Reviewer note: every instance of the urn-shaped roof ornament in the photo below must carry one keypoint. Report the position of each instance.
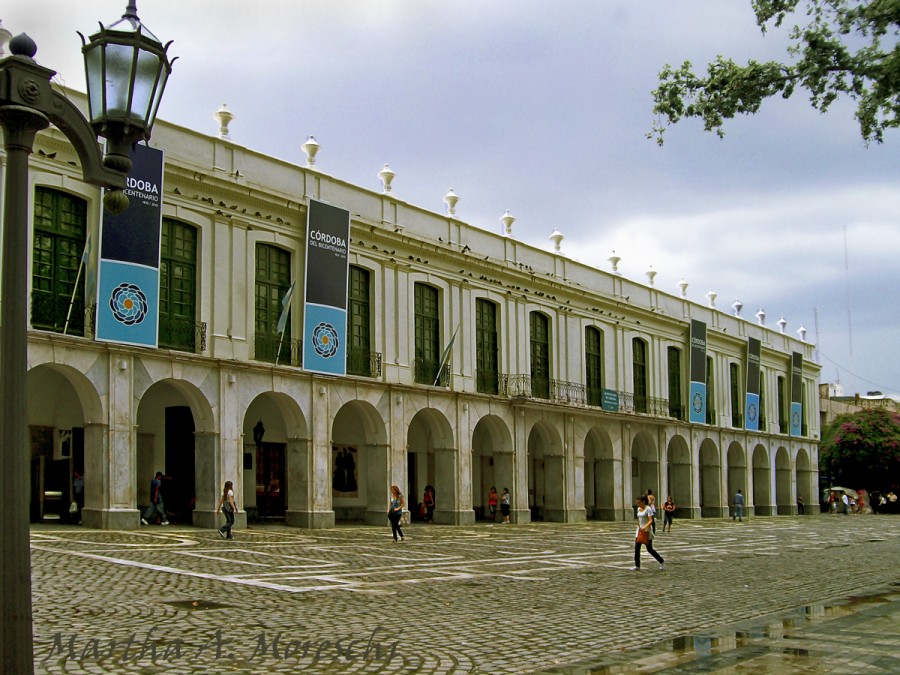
(556, 237)
(507, 219)
(223, 116)
(311, 148)
(614, 261)
(761, 317)
(711, 296)
(451, 199)
(386, 176)
(737, 306)
(683, 286)
(651, 274)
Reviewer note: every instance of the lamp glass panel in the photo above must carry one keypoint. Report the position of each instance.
(146, 74)
(157, 96)
(119, 63)
(93, 63)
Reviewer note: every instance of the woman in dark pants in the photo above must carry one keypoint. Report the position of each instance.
(395, 512)
(645, 520)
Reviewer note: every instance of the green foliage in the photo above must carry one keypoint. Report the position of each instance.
(862, 449)
(848, 47)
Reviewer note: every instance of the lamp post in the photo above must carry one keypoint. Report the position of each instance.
(126, 68)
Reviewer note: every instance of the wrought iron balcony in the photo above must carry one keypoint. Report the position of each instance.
(182, 334)
(487, 381)
(269, 347)
(49, 312)
(363, 362)
(430, 372)
(526, 386)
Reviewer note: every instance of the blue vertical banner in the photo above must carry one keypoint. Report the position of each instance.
(128, 274)
(796, 394)
(697, 401)
(327, 270)
(751, 406)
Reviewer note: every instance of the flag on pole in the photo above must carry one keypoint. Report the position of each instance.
(285, 308)
(90, 276)
(445, 357)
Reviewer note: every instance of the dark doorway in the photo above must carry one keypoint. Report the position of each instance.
(412, 488)
(270, 480)
(178, 483)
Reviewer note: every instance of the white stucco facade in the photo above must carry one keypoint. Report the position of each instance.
(561, 458)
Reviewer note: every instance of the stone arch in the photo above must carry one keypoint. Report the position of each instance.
(762, 482)
(599, 476)
(432, 459)
(175, 435)
(644, 465)
(359, 464)
(65, 434)
(680, 477)
(492, 461)
(783, 478)
(807, 487)
(546, 477)
(711, 502)
(736, 471)
(275, 449)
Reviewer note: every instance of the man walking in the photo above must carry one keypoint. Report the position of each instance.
(156, 508)
(738, 507)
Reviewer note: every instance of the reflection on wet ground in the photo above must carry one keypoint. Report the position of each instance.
(855, 635)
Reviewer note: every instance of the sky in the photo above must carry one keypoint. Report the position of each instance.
(543, 109)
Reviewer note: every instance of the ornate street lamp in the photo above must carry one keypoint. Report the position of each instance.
(127, 70)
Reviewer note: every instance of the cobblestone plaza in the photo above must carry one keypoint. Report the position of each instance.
(486, 599)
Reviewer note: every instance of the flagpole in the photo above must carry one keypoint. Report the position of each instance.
(74, 292)
(280, 341)
(445, 358)
(282, 320)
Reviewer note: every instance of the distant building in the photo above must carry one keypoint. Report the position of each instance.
(832, 402)
(473, 360)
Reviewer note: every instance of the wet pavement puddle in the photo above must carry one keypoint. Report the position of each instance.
(860, 634)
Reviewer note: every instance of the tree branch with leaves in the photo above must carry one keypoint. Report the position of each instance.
(847, 48)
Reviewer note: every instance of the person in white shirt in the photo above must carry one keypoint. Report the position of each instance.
(644, 531)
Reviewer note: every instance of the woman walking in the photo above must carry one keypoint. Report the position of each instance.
(504, 506)
(644, 535)
(395, 512)
(226, 504)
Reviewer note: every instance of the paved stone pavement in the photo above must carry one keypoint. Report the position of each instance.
(543, 597)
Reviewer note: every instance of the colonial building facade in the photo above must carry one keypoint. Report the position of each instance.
(564, 383)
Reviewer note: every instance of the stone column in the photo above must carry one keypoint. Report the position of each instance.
(451, 507)
(381, 473)
(109, 498)
(209, 479)
(308, 487)
(110, 456)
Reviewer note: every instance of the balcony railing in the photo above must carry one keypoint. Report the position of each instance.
(271, 348)
(487, 381)
(363, 362)
(431, 373)
(526, 386)
(182, 334)
(49, 312)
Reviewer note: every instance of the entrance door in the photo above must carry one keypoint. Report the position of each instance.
(178, 484)
(270, 480)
